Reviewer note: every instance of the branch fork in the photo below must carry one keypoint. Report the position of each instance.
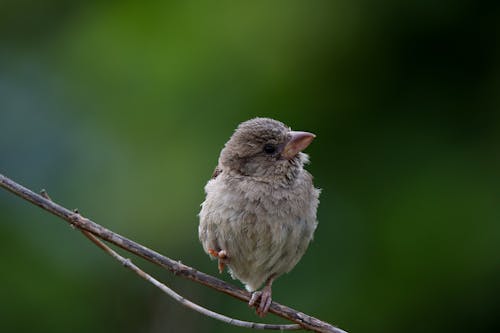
(97, 234)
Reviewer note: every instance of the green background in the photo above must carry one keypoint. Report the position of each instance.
(120, 108)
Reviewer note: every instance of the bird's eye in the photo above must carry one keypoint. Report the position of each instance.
(269, 148)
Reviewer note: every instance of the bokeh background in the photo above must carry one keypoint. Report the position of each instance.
(120, 108)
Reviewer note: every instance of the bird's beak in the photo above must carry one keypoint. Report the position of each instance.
(298, 142)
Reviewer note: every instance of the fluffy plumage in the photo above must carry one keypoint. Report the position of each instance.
(259, 214)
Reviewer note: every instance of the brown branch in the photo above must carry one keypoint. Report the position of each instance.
(173, 266)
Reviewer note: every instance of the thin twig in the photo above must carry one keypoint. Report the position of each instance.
(175, 267)
(187, 303)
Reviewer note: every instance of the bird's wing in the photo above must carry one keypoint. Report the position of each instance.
(217, 172)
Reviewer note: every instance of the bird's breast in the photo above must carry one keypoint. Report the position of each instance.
(264, 230)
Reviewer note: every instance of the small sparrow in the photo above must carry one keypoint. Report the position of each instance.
(259, 214)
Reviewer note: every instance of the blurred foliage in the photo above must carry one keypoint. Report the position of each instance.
(120, 108)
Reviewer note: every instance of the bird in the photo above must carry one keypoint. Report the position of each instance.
(259, 213)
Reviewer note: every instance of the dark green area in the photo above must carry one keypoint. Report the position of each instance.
(121, 108)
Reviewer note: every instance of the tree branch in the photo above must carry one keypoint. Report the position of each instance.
(176, 267)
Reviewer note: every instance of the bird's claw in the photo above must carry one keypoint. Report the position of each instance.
(221, 256)
(261, 300)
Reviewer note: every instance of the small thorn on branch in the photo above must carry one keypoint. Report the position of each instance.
(44, 194)
(127, 262)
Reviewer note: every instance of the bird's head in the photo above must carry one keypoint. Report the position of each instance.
(265, 148)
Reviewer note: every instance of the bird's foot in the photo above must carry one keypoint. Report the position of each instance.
(261, 300)
(221, 256)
